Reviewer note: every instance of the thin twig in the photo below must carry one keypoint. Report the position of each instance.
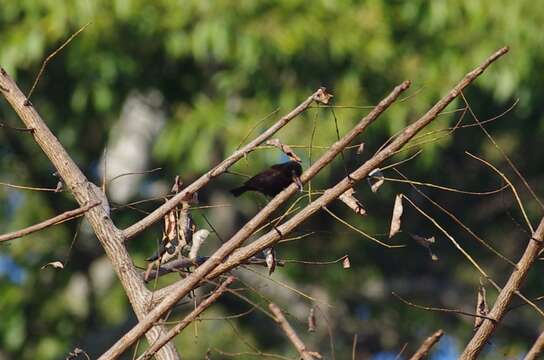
(354, 347)
(49, 222)
(456, 220)
(512, 187)
(506, 157)
(134, 173)
(430, 308)
(8, 127)
(52, 55)
(28, 187)
(424, 349)
(290, 333)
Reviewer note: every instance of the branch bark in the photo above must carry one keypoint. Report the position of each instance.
(487, 328)
(86, 192)
(424, 349)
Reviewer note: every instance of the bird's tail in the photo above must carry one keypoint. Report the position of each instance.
(239, 190)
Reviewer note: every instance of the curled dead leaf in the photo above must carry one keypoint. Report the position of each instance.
(54, 264)
(375, 179)
(482, 308)
(345, 263)
(426, 242)
(270, 258)
(285, 149)
(312, 323)
(361, 148)
(395, 219)
(323, 96)
(351, 201)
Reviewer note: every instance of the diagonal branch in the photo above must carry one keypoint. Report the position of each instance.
(182, 288)
(176, 330)
(291, 334)
(49, 222)
(202, 181)
(536, 349)
(424, 349)
(486, 329)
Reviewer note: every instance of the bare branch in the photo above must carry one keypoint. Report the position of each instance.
(49, 222)
(536, 349)
(176, 330)
(511, 288)
(424, 349)
(292, 335)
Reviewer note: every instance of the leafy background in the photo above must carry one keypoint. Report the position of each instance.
(220, 67)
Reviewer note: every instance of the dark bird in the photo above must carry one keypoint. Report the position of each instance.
(272, 180)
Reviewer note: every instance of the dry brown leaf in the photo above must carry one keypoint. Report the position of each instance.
(323, 96)
(395, 219)
(345, 263)
(375, 180)
(312, 324)
(361, 148)
(481, 306)
(54, 264)
(176, 188)
(285, 149)
(426, 243)
(350, 200)
(270, 258)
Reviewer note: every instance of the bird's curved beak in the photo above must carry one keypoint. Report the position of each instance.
(297, 181)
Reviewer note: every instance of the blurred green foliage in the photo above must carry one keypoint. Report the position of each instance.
(222, 66)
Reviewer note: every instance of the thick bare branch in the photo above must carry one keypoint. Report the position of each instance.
(176, 330)
(291, 334)
(486, 329)
(87, 193)
(49, 222)
(202, 181)
(179, 290)
(536, 349)
(424, 349)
